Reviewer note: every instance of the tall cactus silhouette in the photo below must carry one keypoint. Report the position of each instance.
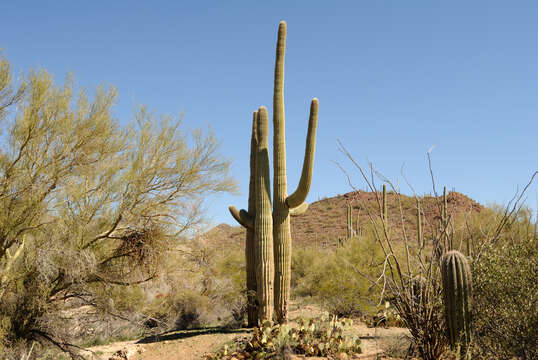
(284, 206)
(457, 289)
(246, 219)
(263, 231)
(282, 203)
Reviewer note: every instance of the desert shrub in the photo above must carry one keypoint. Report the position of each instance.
(303, 262)
(331, 277)
(231, 289)
(505, 286)
(306, 271)
(178, 310)
(204, 286)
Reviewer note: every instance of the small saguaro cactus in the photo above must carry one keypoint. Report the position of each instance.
(349, 222)
(420, 241)
(384, 202)
(457, 291)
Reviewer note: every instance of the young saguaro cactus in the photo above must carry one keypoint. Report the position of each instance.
(457, 289)
(384, 218)
(284, 205)
(349, 221)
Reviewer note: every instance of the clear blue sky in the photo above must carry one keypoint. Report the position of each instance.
(393, 78)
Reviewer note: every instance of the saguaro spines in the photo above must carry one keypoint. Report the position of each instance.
(457, 288)
(282, 203)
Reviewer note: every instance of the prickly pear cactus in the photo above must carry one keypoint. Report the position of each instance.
(457, 289)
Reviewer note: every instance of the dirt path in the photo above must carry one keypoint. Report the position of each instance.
(180, 345)
(194, 344)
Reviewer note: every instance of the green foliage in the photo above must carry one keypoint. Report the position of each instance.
(324, 336)
(203, 286)
(338, 279)
(505, 284)
(95, 203)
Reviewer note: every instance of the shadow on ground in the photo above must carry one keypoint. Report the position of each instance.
(184, 334)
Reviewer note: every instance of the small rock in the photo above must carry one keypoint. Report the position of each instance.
(119, 355)
(342, 356)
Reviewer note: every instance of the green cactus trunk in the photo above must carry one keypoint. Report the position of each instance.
(250, 253)
(282, 203)
(457, 289)
(281, 219)
(263, 230)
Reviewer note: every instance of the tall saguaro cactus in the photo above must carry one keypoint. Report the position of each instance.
(457, 288)
(257, 219)
(282, 203)
(250, 253)
(246, 219)
(263, 230)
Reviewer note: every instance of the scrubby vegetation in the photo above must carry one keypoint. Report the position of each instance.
(89, 209)
(329, 276)
(99, 242)
(506, 293)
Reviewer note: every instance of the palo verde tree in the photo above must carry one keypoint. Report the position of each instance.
(87, 204)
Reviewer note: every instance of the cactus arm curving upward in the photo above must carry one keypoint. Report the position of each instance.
(242, 217)
(299, 196)
(263, 231)
(299, 210)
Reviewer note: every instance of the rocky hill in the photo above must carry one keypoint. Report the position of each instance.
(325, 220)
